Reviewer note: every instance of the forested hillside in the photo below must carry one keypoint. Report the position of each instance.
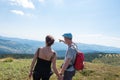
(112, 59)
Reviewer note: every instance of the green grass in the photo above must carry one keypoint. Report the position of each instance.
(18, 69)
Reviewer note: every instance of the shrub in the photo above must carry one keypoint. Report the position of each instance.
(87, 72)
(9, 59)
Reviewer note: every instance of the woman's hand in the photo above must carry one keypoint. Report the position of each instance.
(60, 77)
(30, 74)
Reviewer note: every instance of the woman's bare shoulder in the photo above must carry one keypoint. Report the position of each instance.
(54, 52)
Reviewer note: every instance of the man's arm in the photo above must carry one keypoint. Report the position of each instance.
(60, 40)
(65, 65)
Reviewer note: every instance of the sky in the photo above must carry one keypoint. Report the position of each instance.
(89, 21)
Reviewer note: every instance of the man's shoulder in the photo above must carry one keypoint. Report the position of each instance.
(73, 47)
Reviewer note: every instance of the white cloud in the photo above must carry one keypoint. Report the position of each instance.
(18, 12)
(23, 3)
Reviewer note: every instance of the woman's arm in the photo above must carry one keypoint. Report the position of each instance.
(54, 65)
(33, 62)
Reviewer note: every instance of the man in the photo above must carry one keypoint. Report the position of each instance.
(67, 69)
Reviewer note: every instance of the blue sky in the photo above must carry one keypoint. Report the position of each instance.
(90, 21)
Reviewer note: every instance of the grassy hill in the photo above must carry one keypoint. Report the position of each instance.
(17, 69)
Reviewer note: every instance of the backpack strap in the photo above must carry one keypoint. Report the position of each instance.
(76, 48)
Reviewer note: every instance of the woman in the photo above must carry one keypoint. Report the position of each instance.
(43, 58)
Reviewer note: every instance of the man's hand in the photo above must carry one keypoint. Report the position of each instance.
(60, 40)
(60, 77)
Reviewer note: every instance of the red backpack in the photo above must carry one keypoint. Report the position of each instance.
(79, 61)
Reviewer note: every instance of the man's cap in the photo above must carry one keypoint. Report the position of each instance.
(67, 35)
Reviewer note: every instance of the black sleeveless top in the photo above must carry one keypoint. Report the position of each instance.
(42, 65)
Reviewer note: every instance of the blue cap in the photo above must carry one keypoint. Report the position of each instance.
(67, 35)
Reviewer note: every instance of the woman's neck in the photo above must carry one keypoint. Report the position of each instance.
(48, 47)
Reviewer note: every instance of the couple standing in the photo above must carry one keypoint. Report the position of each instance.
(45, 57)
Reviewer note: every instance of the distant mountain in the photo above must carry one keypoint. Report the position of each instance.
(8, 46)
(16, 45)
(97, 48)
